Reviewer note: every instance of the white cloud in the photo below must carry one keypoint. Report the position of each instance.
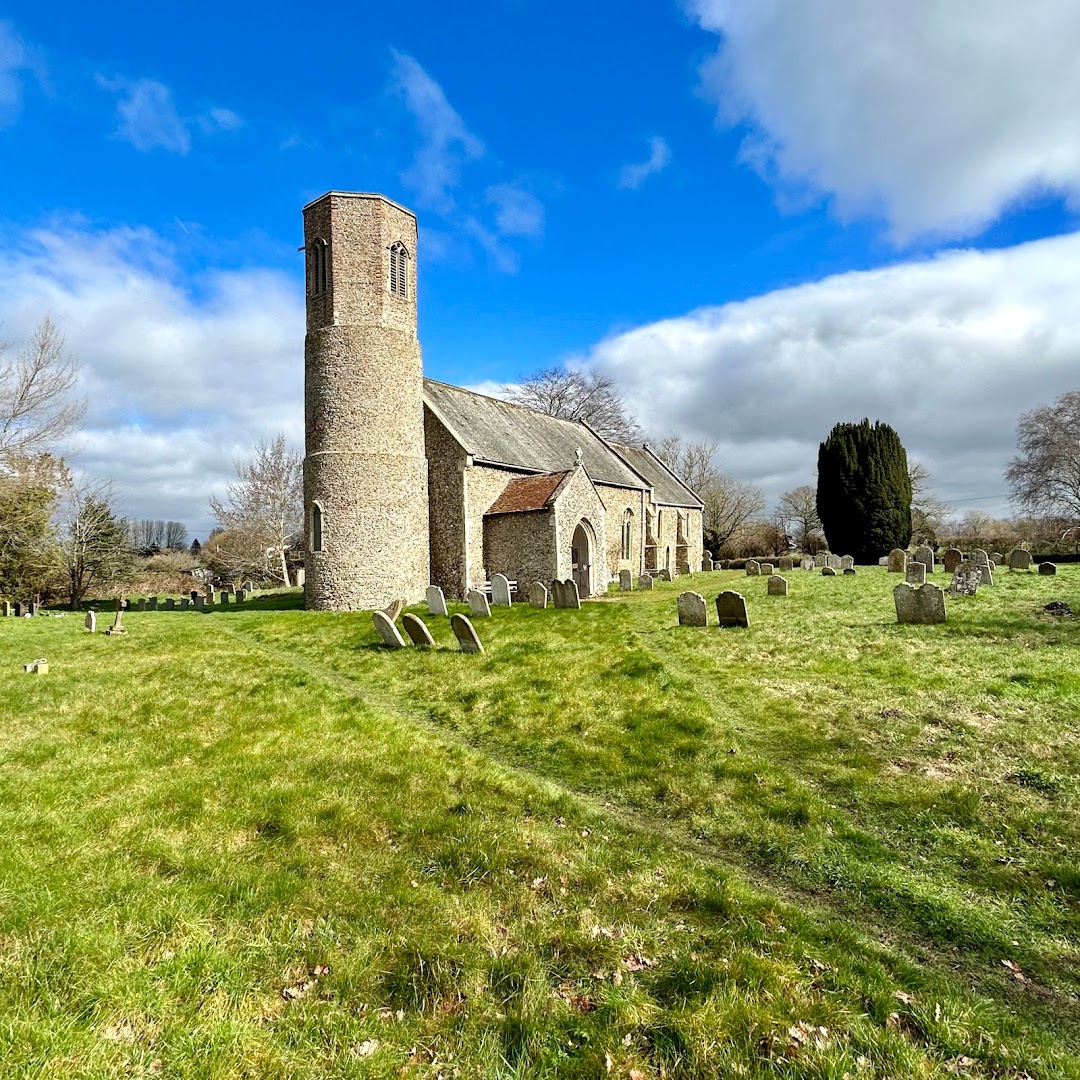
(13, 61)
(178, 385)
(225, 119)
(517, 212)
(633, 176)
(949, 351)
(935, 115)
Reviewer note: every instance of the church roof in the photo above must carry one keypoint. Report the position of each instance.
(525, 493)
(497, 432)
(667, 487)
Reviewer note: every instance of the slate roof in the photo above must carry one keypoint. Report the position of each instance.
(667, 488)
(525, 493)
(499, 433)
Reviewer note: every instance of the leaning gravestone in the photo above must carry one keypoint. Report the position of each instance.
(118, 623)
(952, 558)
(847, 562)
(500, 590)
(90, 622)
(626, 581)
(924, 605)
(915, 573)
(479, 607)
(538, 594)
(645, 581)
(391, 636)
(418, 633)
(785, 563)
(1019, 559)
(436, 601)
(777, 585)
(692, 609)
(828, 571)
(467, 638)
(765, 569)
(731, 609)
(967, 578)
(1047, 569)
(753, 568)
(706, 563)
(565, 593)
(807, 563)
(924, 553)
(897, 561)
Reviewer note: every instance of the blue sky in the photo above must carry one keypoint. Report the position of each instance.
(758, 218)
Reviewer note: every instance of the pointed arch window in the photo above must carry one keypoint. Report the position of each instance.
(627, 533)
(317, 263)
(316, 527)
(399, 269)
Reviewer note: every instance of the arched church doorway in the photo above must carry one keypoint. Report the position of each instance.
(581, 559)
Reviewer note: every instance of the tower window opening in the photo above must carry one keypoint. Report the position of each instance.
(399, 269)
(317, 267)
(627, 533)
(316, 527)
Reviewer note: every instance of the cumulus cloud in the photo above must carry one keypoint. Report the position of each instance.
(633, 176)
(949, 351)
(936, 116)
(179, 383)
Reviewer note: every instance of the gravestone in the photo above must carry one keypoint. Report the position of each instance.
(18, 609)
(90, 622)
(996, 558)
(684, 569)
(645, 581)
(140, 605)
(35, 607)
(208, 600)
(924, 553)
(834, 561)
(987, 573)
(538, 594)
(979, 556)
(565, 593)
(665, 574)
(707, 563)
(1019, 559)
(384, 626)
(883, 561)
(951, 559)
(807, 563)
(436, 601)
(847, 562)
(185, 603)
(1047, 569)
(924, 605)
(731, 609)
(753, 568)
(692, 609)
(897, 561)
(241, 595)
(225, 597)
(916, 573)
(6, 609)
(500, 590)
(199, 602)
(392, 611)
(626, 581)
(777, 585)
(170, 603)
(849, 570)
(786, 563)
(821, 559)
(211, 591)
(300, 575)
(765, 569)
(467, 638)
(418, 633)
(966, 579)
(194, 593)
(118, 623)
(479, 607)
(152, 604)
(828, 571)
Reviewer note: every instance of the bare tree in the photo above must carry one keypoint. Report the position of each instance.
(37, 409)
(798, 507)
(729, 503)
(578, 395)
(94, 546)
(1044, 477)
(266, 503)
(236, 554)
(928, 513)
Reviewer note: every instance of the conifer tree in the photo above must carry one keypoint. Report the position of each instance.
(864, 491)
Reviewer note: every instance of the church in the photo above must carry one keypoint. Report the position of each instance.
(410, 482)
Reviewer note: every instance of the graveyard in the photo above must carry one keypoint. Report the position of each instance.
(253, 840)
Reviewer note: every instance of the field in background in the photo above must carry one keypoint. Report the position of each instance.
(254, 843)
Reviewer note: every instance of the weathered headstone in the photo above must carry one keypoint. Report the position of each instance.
(241, 595)
(300, 576)
(35, 607)
(847, 562)
(883, 561)
(828, 571)
(393, 611)
(753, 568)
(996, 558)
(500, 590)
(951, 559)
(807, 563)
(152, 604)
(765, 569)
(924, 553)
(979, 556)
(170, 603)
(225, 597)
(731, 609)
(834, 561)
(645, 581)
(626, 581)
(966, 579)
(707, 563)
(538, 594)
(1019, 559)
(987, 573)
(684, 569)
(199, 601)
(418, 633)
(479, 607)
(924, 605)
(140, 604)
(185, 603)
(384, 626)
(915, 573)
(1047, 569)
(692, 609)
(786, 563)
(118, 622)
(821, 559)
(19, 609)
(211, 591)
(90, 622)
(897, 561)
(436, 601)
(467, 638)
(565, 593)
(665, 574)
(5, 609)
(777, 585)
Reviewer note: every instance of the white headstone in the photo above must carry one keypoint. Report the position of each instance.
(500, 590)
(479, 607)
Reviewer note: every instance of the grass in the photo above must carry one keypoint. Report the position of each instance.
(254, 843)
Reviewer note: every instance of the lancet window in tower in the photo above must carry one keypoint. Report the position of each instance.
(399, 269)
(627, 533)
(317, 267)
(316, 527)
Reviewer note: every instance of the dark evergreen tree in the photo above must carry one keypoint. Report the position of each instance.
(864, 491)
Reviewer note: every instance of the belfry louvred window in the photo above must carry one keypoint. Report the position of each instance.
(399, 270)
(317, 267)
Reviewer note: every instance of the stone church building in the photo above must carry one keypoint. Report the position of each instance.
(410, 482)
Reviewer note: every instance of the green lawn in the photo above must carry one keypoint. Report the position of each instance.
(254, 843)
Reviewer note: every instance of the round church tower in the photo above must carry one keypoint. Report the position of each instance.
(365, 473)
